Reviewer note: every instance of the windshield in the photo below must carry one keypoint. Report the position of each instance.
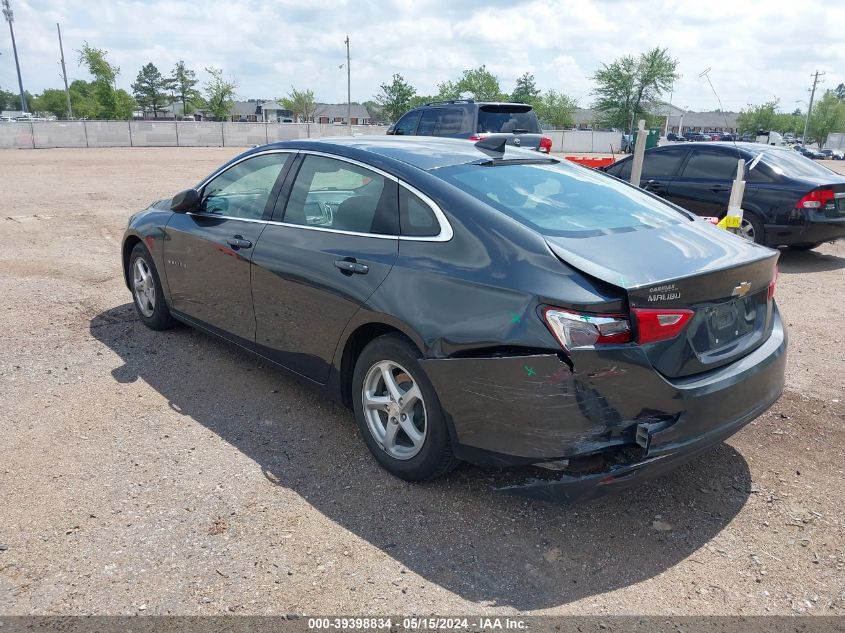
(789, 163)
(507, 118)
(561, 200)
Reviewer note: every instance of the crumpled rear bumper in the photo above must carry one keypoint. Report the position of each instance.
(530, 409)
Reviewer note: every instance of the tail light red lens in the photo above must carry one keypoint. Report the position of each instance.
(654, 324)
(545, 144)
(573, 329)
(816, 199)
(771, 294)
(475, 137)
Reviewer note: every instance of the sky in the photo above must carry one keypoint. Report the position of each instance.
(757, 50)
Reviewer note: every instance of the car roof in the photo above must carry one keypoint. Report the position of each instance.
(423, 152)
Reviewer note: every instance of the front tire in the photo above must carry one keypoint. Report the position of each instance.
(398, 411)
(147, 293)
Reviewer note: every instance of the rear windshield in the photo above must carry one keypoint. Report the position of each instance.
(789, 163)
(560, 199)
(507, 118)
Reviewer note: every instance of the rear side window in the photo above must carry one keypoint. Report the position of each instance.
(507, 118)
(710, 166)
(407, 125)
(442, 122)
(416, 219)
(562, 200)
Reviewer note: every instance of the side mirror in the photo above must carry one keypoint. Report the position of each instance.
(185, 201)
(390, 130)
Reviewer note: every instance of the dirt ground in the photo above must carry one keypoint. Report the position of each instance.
(146, 472)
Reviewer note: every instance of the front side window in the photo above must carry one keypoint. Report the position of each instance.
(242, 190)
(561, 200)
(334, 194)
(662, 163)
(407, 125)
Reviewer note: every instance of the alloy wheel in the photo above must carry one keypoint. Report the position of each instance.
(394, 410)
(746, 230)
(144, 287)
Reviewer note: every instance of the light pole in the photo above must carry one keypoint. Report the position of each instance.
(10, 17)
(348, 89)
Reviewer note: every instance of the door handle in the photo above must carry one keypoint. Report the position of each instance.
(238, 241)
(719, 188)
(653, 185)
(350, 267)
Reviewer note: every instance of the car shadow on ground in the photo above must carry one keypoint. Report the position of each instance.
(457, 532)
(793, 261)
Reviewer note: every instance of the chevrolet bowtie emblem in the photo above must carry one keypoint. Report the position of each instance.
(741, 290)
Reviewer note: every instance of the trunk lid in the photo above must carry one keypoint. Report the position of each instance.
(723, 279)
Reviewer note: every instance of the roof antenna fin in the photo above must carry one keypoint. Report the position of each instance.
(492, 144)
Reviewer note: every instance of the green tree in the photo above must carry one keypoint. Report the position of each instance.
(481, 84)
(395, 97)
(303, 104)
(9, 100)
(52, 101)
(629, 88)
(761, 117)
(219, 93)
(110, 102)
(828, 116)
(447, 91)
(182, 84)
(377, 113)
(526, 90)
(149, 89)
(556, 109)
(839, 91)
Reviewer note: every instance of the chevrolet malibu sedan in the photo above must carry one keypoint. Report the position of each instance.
(474, 301)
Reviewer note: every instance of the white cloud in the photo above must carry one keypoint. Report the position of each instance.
(756, 50)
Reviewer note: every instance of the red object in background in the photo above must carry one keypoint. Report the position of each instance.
(589, 161)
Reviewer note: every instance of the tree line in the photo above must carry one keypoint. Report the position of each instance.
(626, 90)
(151, 91)
(828, 116)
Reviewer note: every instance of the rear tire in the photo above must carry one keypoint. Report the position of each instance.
(147, 293)
(402, 422)
(752, 228)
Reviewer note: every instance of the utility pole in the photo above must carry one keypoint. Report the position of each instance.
(810, 106)
(64, 72)
(348, 89)
(10, 17)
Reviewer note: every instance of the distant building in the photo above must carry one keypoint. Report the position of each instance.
(337, 112)
(679, 120)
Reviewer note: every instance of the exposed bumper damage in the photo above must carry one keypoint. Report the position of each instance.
(606, 422)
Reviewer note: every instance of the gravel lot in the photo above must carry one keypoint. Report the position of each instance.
(147, 472)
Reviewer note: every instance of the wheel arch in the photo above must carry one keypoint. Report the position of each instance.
(128, 244)
(356, 338)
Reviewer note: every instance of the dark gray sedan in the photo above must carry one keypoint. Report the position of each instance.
(472, 301)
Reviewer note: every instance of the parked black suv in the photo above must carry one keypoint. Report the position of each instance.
(474, 120)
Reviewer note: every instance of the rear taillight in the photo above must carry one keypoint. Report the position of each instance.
(573, 329)
(545, 144)
(475, 137)
(654, 324)
(816, 199)
(774, 281)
